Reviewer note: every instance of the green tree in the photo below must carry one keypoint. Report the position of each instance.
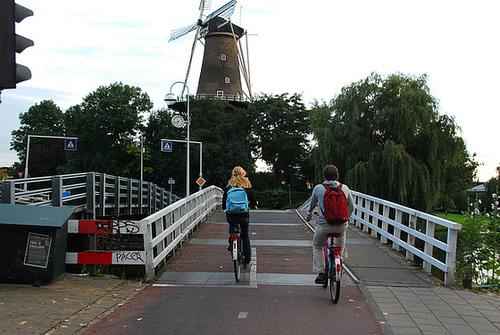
(281, 127)
(165, 165)
(221, 126)
(46, 155)
(388, 140)
(104, 123)
(225, 130)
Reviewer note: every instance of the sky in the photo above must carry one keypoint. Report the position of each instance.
(313, 48)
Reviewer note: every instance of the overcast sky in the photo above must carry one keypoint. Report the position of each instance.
(310, 47)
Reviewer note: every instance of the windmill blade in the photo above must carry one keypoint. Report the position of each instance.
(176, 33)
(205, 4)
(224, 12)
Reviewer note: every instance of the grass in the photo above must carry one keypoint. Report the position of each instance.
(458, 218)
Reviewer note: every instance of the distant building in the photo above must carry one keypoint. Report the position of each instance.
(479, 189)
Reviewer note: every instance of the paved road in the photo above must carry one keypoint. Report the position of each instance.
(198, 294)
(279, 296)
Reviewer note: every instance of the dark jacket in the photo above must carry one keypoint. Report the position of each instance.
(251, 200)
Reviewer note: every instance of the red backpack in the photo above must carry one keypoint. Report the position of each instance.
(335, 204)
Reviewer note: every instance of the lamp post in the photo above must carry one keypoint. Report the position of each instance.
(171, 98)
(141, 143)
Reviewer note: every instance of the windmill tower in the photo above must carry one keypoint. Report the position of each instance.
(223, 59)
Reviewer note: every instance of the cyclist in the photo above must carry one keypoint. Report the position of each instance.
(239, 179)
(330, 177)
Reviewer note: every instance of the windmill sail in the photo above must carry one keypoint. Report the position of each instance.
(224, 12)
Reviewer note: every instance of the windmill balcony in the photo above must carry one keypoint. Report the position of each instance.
(228, 97)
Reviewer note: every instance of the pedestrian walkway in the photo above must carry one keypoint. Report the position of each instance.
(68, 305)
(402, 298)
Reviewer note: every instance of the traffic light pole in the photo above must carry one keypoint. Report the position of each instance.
(12, 73)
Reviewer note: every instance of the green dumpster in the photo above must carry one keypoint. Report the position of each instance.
(33, 243)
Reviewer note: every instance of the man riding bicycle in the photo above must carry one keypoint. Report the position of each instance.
(330, 177)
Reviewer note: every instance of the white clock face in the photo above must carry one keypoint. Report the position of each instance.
(178, 121)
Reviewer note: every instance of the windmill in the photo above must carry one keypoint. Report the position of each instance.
(223, 59)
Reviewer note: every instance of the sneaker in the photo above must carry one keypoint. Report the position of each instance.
(247, 265)
(320, 279)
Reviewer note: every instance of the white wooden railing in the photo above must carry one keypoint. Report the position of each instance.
(168, 228)
(402, 227)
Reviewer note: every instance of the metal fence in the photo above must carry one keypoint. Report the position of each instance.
(91, 194)
(430, 238)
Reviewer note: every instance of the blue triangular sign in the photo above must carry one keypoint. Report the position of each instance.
(166, 146)
(70, 145)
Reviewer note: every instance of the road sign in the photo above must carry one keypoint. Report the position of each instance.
(201, 181)
(70, 144)
(166, 146)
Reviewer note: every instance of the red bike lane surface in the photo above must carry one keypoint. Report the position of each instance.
(276, 296)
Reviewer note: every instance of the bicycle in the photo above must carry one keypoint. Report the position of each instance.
(236, 248)
(333, 266)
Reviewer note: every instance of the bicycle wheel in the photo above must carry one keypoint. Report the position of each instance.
(334, 283)
(237, 259)
(237, 269)
(327, 265)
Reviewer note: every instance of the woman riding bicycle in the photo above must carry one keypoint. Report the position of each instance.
(330, 177)
(239, 179)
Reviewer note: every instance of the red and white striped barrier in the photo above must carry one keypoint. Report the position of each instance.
(105, 227)
(124, 257)
(107, 257)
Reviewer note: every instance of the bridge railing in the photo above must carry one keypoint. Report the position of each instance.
(162, 233)
(168, 228)
(92, 194)
(430, 238)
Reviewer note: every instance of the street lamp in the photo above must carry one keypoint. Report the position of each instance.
(141, 141)
(171, 98)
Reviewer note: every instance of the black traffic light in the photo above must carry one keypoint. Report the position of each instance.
(12, 73)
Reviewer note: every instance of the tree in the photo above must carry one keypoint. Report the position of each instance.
(105, 122)
(46, 155)
(281, 128)
(165, 165)
(388, 139)
(222, 127)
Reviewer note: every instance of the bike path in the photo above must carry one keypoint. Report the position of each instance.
(71, 303)
(197, 292)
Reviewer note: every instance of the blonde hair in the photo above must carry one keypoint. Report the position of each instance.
(239, 179)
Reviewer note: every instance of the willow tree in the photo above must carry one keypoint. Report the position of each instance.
(389, 140)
